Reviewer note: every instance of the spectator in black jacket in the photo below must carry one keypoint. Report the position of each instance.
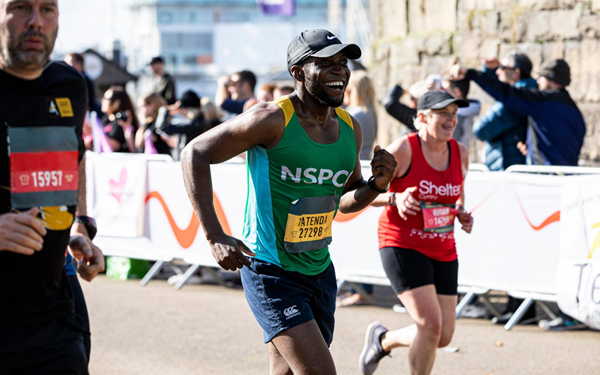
(403, 113)
(557, 130)
(164, 84)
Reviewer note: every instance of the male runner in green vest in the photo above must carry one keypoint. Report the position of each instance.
(303, 166)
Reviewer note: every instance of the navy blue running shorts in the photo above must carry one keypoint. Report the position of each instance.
(281, 299)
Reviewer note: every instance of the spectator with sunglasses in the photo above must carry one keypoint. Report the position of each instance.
(233, 92)
(500, 128)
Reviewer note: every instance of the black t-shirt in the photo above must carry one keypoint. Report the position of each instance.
(116, 132)
(159, 143)
(35, 289)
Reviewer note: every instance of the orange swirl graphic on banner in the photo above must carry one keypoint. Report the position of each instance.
(342, 217)
(555, 217)
(185, 237)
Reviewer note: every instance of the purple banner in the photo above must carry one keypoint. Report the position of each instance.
(277, 7)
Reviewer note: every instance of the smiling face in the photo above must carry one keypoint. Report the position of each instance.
(326, 78)
(440, 123)
(28, 30)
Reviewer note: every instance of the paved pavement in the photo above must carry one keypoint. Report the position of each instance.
(209, 330)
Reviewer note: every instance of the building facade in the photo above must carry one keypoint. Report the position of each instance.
(203, 39)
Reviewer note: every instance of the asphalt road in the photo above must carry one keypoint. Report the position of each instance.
(210, 330)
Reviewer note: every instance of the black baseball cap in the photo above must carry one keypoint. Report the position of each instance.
(157, 60)
(438, 99)
(189, 99)
(318, 43)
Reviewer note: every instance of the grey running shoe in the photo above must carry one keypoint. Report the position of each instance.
(372, 351)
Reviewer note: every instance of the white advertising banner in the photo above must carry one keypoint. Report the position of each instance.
(172, 224)
(578, 277)
(117, 198)
(143, 211)
(530, 235)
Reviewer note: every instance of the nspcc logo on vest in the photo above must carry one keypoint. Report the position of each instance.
(315, 176)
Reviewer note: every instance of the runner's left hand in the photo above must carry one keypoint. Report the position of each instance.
(383, 167)
(88, 255)
(466, 219)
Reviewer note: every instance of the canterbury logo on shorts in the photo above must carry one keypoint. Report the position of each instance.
(309, 223)
(291, 312)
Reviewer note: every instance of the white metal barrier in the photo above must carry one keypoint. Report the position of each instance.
(513, 246)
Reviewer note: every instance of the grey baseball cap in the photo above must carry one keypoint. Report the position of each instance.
(437, 99)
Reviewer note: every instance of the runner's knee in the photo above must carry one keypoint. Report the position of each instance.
(446, 337)
(431, 328)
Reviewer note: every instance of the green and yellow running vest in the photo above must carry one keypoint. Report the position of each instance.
(293, 194)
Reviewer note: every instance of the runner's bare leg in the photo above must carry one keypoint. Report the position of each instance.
(277, 365)
(305, 350)
(424, 336)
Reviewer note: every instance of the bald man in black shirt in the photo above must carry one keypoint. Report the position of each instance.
(42, 171)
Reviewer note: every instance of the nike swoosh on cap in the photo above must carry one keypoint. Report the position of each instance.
(331, 37)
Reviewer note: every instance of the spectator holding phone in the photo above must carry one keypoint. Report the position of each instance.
(121, 122)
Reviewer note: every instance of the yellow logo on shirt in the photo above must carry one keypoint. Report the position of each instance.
(56, 218)
(64, 107)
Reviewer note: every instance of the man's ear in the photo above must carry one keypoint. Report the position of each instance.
(297, 73)
(518, 71)
(458, 93)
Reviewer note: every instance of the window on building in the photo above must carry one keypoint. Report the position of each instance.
(190, 60)
(165, 17)
(201, 43)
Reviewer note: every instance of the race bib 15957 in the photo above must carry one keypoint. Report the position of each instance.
(44, 166)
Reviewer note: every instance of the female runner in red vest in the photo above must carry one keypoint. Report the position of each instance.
(416, 234)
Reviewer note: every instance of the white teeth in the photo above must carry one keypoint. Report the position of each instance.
(337, 83)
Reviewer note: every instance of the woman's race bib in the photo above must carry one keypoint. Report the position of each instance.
(44, 166)
(438, 217)
(309, 223)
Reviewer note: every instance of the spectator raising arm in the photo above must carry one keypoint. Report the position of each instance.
(399, 111)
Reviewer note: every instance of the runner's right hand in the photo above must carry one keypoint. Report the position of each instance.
(21, 233)
(228, 250)
(407, 204)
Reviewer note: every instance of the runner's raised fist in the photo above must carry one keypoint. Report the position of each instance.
(383, 166)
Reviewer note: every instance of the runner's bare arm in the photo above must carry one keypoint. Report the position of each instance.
(357, 194)
(402, 153)
(464, 217)
(261, 125)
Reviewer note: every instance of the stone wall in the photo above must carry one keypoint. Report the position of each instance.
(414, 38)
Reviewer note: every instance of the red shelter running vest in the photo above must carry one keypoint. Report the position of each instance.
(436, 189)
